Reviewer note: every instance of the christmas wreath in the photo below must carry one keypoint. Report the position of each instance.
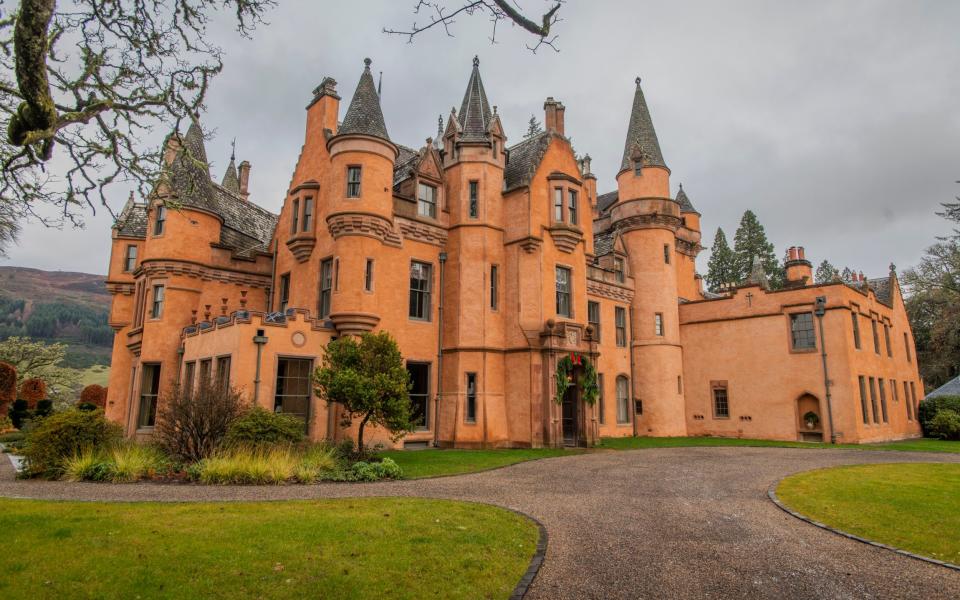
(588, 382)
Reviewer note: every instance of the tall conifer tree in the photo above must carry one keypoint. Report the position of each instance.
(826, 272)
(751, 240)
(721, 269)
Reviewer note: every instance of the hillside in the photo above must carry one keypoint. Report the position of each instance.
(58, 306)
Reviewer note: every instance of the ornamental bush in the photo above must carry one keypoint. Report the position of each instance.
(260, 427)
(19, 413)
(929, 408)
(62, 436)
(33, 390)
(192, 423)
(94, 394)
(945, 425)
(8, 386)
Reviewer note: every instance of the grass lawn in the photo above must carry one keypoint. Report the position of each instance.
(913, 507)
(432, 463)
(98, 374)
(634, 443)
(353, 548)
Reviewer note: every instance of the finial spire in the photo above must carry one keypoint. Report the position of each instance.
(380, 85)
(475, 113)
(637, 80)
(366, 63)
(476, 60)
(364, 115)
(641, 136)
(233, 149)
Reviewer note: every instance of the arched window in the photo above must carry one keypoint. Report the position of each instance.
(623, 400)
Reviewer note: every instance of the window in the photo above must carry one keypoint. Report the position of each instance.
(618, 269)
(620, 323)
(906, 394)
(284, 292)
(419, 394)
(470, 413)
(666, 254)
(883, 399)
(189, 371)
(856, 328)
(368, 276)
(206, 366)
(601, 405)
(623, 400)
(307, 213)
(863, 400)
(223, 371)
(572, 206)
(420, 285)
(474, 207)
(156, 309)
(721, 401)
(876, 336)
(637, 168)
(292, 392)
(801, 331)
(160, 221)
(913, 397)
(149, 392)
(295, 218)
(873, 400)
(130, 262)
(494, 286)
(426, 201)
(906, 345)
(558, 204)
(353, 182)
(896, 398)
(326, 288)
(593, 318)
(886, 339)
(563, 292)
(658, 324)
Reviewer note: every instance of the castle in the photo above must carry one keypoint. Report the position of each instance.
(531, 310)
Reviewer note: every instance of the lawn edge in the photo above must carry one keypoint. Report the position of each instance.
(539, 555)
(772, 495)
(497, 468)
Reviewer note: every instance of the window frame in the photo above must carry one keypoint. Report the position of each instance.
(354, 186)
(593, 318)
(151, 398)
(620, 325)
(283, 293)
(876, 335)
(601, 404)
(883, 400)
(160, 221)
(494, 287)
(872, 384)
(223, 378)
(855, 316)
(810, 333)
(564, 298)
(886, 336)
(470, 398)
(619, 269)
(559, 206)
(637, 168)
(295, 218)
(720, 386)
(128, 256)
(658, 324)
(189, 375)
(368, 276)
(425, 395)
(623, 401)
(906, 346)
(280, 392)
(473, 199)
(666, 254)
(424, 295)
(573, 199)
(157, 300)
(325, 297)
(430, 203)
(307, 220)
(864, 408)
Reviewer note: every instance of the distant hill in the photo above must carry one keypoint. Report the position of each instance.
(58, 306)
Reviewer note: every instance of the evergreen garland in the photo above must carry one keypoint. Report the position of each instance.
(564, 378)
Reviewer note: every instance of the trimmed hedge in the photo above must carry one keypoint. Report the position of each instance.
(945, 425)
(929, 408)
(260, 427)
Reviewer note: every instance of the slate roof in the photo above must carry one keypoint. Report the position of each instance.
(405, 164)
(190, 173)
(950, 388)
(603, 242)
(231, 181)
(605, 201)
(247, 228)
(685, 205)
(475, 114)
(364, 115)
(132, 221)
(640, 134)
(524, 158)
(882, 288)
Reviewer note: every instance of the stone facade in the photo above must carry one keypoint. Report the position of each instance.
(489, 264)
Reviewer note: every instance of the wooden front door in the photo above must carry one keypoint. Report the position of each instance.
(569, 417)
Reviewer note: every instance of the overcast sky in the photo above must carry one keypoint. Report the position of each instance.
(838, 123)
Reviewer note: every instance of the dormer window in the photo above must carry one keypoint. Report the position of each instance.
(353, 182)
(637, 168)
(618, 269)
(427, 201)
(160, 221)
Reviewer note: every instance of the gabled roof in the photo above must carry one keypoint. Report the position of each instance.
(882, 287)
(685, 205)
(641, 137)
(247, 228)
(405, 164)
(132, 221)
(603, 242)
(605, 201)
(524, 158)
(475, 114)
(364, 116)
(950, 388)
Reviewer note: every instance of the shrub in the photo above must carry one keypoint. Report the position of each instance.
(44, 409)
(929, 408)
(86, 406)
(385, 469)
(64, 435)
(33, 390)
(94, 394)
(19, 412)
(945, 425)
(88, 465)
(248, 465)
(260, 427)
(12, 437)
(6, 425)
(191, 424)
(8, 385)
(132, 462)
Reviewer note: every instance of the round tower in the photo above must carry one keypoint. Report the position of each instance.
(360, 216)
(648, 220)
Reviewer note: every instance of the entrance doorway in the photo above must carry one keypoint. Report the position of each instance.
(569, 417)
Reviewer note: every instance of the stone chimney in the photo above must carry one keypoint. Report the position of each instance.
(323, 111)
(553, 115)
(244, 176)
(799, 269)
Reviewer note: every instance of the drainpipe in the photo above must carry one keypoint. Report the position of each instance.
(180, 352)
(436, 410)
(633, 379)
(820, 308)
(260, 340)
(273, 276)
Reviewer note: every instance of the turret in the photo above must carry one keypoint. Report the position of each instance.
(799, 270)
(475, 133)
(643, 172)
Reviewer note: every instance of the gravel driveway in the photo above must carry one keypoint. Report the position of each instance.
(658, 523)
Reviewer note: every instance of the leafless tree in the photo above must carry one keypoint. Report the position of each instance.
(191, 423)
(82, 85)
(443, 14)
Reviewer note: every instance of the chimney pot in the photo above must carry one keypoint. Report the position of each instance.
(553, 115)
(244, 173)
(800, 253)
(792, 253)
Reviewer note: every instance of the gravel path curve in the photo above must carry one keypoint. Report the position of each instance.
(657, 523)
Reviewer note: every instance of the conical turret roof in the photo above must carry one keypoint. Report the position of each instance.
(641, 137)
(475, 114)
(231, 181)
(190, 173)
(364, 116)
(685, 205)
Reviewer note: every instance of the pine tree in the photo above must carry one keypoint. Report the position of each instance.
(534, 127)
(750, 241)
(825, 272)
(846, 275)
(721, 270)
